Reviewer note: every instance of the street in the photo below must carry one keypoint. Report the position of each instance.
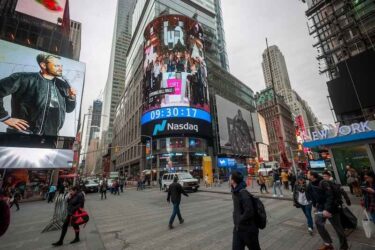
(139, 219)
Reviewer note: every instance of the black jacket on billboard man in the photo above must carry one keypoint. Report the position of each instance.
(39, 100)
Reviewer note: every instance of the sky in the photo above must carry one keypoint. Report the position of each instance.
(246, 23)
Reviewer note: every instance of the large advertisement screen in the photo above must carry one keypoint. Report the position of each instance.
(48, 10)
(40, 93)
(175, 87)
(235, 128)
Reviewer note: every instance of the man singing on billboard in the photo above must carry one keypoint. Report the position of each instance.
(39, 100)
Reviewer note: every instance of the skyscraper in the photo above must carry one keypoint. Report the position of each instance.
(116, 77)
(345, 44)
(95, 119)
(274, 60)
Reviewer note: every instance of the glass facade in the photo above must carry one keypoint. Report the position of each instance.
(356, 156)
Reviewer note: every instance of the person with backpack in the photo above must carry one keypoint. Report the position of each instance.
(277, 183)
(246, 231)
(327, 204)
(301, 199)
(174, 194)
(75, 201)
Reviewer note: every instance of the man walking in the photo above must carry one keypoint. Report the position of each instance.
(327, 204)
(245, 232)
(174, 193)
(277, 184)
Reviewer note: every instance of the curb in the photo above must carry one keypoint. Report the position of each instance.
(260, 196)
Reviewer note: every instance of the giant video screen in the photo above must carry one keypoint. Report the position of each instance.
(48, 10)
(175, 87)
(235, 128)
(40, 93)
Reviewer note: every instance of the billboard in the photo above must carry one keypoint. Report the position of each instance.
(48, 10)
(40, 94)
(235, 128)
(175, 87)
(42, 158)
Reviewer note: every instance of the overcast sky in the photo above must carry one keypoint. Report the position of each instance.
(246, 22)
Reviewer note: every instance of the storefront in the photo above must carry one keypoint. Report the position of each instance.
(352, 145)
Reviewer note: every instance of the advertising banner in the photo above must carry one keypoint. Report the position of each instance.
(235, 128)
(48, 10)
(175, 75)
(40, 93)
(42, 158)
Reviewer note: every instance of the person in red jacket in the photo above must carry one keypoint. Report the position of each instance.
(4, 212)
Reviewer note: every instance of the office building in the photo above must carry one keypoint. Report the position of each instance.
(345, 46)
(224, 101)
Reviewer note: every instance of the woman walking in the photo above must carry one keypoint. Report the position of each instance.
(303, 201)
(262, 183)
(76, 201)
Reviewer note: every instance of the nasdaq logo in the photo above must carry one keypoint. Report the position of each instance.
(159, 127)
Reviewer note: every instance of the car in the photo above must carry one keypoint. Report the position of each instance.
(185, 179)
(91, 186)
(267, 168)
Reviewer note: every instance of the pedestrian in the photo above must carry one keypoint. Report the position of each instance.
(121, 183)
(51, 193)
(327, 204)
(353, 181)
(116, 187)
(103, 189)
(262, 183)
(16, 197)
(245, 232)
(302, 200)
(284, 179)
(174, 194)
(292, 179)
(4, 212)
(277, 184)
(368, 201)
(75, 201)
(160, 184)
(328, 177)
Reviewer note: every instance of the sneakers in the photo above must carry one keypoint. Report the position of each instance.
(182, 221)
(310, 230)
(326, 247)
(56, 244)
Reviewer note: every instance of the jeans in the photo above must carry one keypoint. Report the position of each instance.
(336, 224)
(242, 239)
(104, 194)
(277, 184)
(176, 211)
(307, 211)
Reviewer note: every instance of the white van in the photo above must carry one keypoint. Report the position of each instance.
(267, 168)
(185, 179)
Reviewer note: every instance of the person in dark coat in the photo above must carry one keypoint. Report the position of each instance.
(75, 202)
(301, 199)
(245, 232)
(327, 206)
(174, 194)
(4, 212)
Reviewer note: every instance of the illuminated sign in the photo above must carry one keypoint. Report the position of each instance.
(341, 130)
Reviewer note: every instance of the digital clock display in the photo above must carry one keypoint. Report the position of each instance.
(175, 112)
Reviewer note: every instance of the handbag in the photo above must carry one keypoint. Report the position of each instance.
(348, 219)
(367, 224)
(79, 217)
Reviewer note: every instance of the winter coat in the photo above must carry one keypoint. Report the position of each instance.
(174, 192)
(322, 196)
(75, 202)
(4, 216)
(31, 96)
(243, 209)
(300, 189)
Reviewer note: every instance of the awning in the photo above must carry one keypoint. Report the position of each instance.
(340, 139)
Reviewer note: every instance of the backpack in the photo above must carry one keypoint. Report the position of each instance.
(260, 217)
